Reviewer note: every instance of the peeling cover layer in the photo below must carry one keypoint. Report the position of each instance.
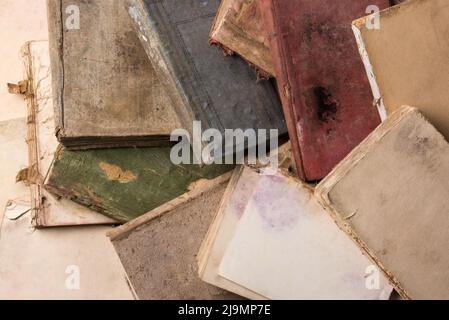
(322, 82)
(238, 28)
(106, 93)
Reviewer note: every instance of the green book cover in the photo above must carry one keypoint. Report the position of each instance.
(124, 183)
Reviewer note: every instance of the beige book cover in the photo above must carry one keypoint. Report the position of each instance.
(158, 250)
(106, 92)
(406, 58)
(391, 195)
(286, 246)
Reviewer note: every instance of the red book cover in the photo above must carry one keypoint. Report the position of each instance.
(324, 88)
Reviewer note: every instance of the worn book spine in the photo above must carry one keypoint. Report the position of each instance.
(390, 68)
(323, 86)
(238, 29)
(47, 211)
(357, 27)
(32, 176)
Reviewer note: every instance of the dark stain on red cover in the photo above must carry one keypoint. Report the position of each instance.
(326, 104)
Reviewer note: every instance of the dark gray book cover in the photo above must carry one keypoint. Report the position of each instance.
(106, 92)
(203, 84)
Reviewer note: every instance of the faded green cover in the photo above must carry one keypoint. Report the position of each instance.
(124, 183)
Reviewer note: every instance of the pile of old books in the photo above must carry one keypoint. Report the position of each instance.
(107, 91)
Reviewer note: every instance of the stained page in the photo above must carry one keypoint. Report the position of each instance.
(287, 247)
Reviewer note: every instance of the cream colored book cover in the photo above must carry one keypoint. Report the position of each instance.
(391, 196)
(406, 58)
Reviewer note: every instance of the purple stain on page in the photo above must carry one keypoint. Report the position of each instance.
(239, 208)
(273, 202)
(242, 197)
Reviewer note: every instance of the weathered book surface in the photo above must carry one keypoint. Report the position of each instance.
(106, 92)
(414, 71)
(323, 86)
(238, 28)
(124, 183)
(204, 85)
(158, 249)
(390, 195)
(47, 210)
(286, 246)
